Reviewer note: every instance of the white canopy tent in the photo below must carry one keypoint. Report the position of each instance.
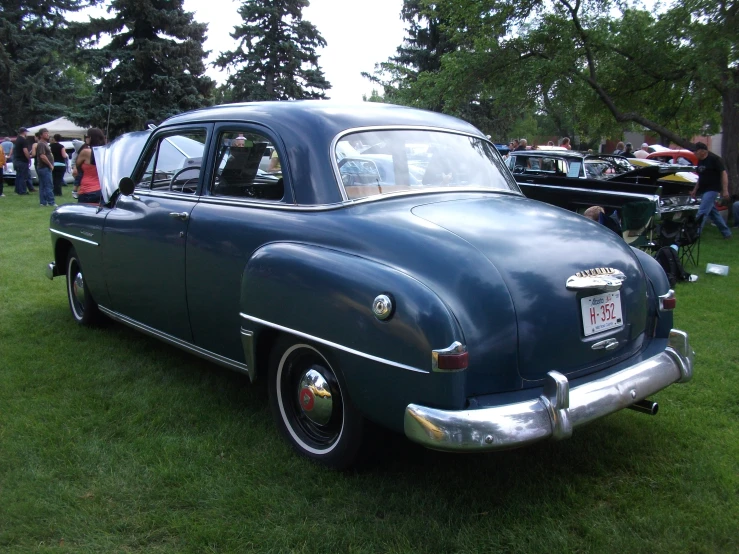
(63, 126)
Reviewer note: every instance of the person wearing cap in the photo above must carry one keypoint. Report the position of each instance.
(713, 181)
(21, 160)
(643, 152)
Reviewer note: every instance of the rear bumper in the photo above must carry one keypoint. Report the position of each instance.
(51, 270)
(556, 412)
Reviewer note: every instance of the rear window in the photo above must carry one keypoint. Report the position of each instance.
(372, 163)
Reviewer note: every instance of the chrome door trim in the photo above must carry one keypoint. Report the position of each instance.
(179, 343)
(67, 235)
(331, 344)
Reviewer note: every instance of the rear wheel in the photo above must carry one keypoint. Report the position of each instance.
(84, 309)
(311, 407)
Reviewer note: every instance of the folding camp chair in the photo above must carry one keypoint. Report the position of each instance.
(685, 234)
(689, 241)
(637, 223)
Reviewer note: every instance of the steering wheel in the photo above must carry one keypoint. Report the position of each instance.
(181, 187)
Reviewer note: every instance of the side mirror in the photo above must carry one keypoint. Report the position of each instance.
(126, 186)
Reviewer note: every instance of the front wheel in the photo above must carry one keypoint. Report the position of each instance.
(311, 407)
(83, 307)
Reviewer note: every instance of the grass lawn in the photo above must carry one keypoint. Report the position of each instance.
(111, 441)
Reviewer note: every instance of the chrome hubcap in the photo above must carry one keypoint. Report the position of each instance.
(78, 287)
(314, 397)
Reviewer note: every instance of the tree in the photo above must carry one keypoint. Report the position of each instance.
(37, 80)
(151, 68)
(672, 73)
(276, 55)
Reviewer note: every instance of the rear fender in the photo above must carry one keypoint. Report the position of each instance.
(659, 285)
(326, 297)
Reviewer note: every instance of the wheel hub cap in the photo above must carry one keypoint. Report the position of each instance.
(314, 397)
(79, 289)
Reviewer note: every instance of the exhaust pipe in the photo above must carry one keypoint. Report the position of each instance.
(645, 406)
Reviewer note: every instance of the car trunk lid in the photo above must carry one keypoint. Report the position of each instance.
(536, 248)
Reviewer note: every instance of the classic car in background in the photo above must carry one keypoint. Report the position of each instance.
(391, 271)
(678, 156)
(575, 182)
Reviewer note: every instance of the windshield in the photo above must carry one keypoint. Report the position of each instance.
(372, 163)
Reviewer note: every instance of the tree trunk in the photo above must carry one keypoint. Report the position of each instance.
(730, 136)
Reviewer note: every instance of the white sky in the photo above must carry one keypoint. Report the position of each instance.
(358, 34)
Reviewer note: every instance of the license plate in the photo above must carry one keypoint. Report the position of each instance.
(601, 312)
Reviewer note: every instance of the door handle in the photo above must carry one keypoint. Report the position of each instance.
(179, 215)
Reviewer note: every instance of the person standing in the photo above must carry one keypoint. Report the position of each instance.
(60, 163)
(713, 180)
(643, 152)
(628, 151)
(566, 143)
(44, 167)
(89, 191)
(3, 169)
(21, 160)
(619, 148)
(521, 145)
(7, 145)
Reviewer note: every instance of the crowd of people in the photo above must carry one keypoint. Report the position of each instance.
(51, 161)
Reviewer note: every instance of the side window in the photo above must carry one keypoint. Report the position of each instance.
(174, 163)
(247, 166)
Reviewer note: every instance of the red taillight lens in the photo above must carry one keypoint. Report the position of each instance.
(667, 301)
(452, 361)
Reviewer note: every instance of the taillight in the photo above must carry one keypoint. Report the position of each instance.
(453, 358)
(667, 301)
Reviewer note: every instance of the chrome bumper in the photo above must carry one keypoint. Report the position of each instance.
(556, 412)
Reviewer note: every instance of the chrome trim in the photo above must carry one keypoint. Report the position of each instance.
(174, 341)
(382, 307)
(247, 342)
(606, 279)
(67, 235)
(331, 344)
(608, 344)
(553, 414)
(455, 348)
(667, 296)
(139, 192)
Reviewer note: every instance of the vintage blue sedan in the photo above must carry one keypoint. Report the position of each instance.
(373, 263)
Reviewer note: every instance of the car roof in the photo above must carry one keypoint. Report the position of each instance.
(305, 131)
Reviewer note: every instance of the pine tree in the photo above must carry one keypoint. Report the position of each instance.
(152, 67)
(37, 79)
(276, 56)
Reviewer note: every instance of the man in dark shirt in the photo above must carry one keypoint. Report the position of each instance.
(21, 159)
(713, 180)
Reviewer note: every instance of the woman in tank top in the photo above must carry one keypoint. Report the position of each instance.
(89, 191)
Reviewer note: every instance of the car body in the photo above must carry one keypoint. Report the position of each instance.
(679, 156)
(575, 182)
(412, 285)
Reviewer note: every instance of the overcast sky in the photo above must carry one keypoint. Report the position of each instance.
(358, 33)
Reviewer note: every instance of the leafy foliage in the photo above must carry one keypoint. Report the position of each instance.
(151, 68)
(275, 58)
(37, 79)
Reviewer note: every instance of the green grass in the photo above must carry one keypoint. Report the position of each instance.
(114, 442)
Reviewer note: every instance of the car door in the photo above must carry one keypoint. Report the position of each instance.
(145, 234)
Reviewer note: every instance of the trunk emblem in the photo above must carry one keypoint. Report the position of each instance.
(606, 279)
